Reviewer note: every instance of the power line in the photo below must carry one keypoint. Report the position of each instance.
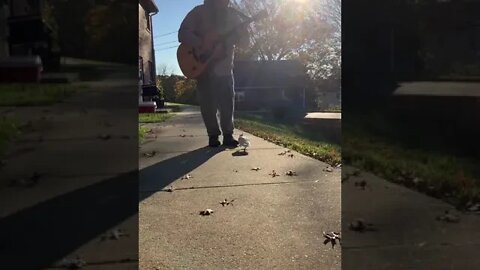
(164, 43)
(166, 34)
(167, 48)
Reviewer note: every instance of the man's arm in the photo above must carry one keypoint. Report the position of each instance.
(186, 34)
(241, 38)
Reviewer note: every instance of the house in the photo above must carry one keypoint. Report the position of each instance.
(328, 100)
(4, 13)
(408, 40)
(146, 59)
(451, 33)
(267, 85)
(31, 32)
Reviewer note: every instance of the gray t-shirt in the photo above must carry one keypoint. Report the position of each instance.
(199, 21)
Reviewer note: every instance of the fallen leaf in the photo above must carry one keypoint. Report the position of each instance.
(206, 212)
(105, 137)
(474, 208)
(361, 184)
(448, 217)
(332, 238)
(115, 234)
(149, 154)
(360, 225)
(226, 202)
(274, 173)
(256, 169)
(77, 263)
(291, 173)
(186, 177)
(328, 169)
(417, 180)
(27, 182)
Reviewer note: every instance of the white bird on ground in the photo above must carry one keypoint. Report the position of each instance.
(244, 142)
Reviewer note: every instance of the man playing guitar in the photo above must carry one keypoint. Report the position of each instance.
(215, 87)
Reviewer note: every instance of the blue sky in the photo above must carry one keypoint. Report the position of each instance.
(168, 19)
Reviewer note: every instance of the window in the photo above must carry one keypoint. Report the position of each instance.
(149, 22)
(151, 69)
(240, 96)
(140, 70)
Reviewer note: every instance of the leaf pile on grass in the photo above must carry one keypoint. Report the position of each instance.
(437, 174)
(34, 94)
(286, 137)
(8, 130)
(153, 117)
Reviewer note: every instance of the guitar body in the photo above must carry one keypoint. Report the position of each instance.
(194, 63)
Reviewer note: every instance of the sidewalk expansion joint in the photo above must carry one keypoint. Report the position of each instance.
(111, 262)
(233, 186)
(219, 149)
(94, 138)
(409, 245)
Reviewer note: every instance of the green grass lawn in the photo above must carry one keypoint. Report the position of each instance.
(8, 130)
(438, 173)
(34, 94)
(142, 132)
(148, 118)
(175, 107)
(291, 136)
(153, 117)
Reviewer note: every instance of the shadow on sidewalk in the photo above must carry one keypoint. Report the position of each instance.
(156, 177)
(39, 236)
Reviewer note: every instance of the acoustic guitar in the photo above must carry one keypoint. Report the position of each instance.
(194, 63)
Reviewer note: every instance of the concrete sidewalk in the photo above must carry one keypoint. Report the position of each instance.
(274, 222)
(408, 234)
(86, 185)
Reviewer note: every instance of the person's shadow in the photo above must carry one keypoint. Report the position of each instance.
(40, 235)
(156, 177)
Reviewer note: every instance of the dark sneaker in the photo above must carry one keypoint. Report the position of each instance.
(213, 141)
(229, 141)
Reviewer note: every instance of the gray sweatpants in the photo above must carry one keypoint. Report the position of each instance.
(216, 94)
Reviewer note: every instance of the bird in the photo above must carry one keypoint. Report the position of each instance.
(244, 142)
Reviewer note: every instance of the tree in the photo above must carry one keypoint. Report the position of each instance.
(185, 91)
(288, 30)
(113, 37)
(168, 85)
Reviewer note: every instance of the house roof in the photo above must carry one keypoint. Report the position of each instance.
(269, 74)
(149, 5)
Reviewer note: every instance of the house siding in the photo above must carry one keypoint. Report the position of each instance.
(4, 13)
(146, 53)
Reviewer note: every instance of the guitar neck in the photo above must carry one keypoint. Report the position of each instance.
(228, 34)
